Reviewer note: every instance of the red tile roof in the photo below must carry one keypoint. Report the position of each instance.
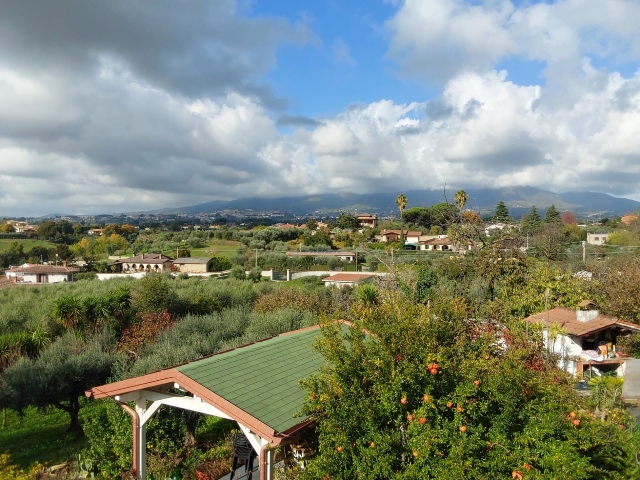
(348, 277)
(43, 269)
(566, 318)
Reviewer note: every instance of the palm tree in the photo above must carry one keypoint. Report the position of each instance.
(401, 200)
(461, 198)
(68, 311)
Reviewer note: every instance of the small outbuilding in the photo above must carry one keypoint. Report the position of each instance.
(256, 385)
(192, 264)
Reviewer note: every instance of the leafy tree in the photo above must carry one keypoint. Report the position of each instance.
(238, 273)
(87, 249)
(427, 393)
(417, 216)
(501, 213)
(6, 227)
(312, 224)
(60, 375)
(549, 242)
(347, 221)
(552, 215)
(183, 252)
(220, 263)
(444, 215)
(624, 238)
(63, 253)
(569, 218)
(320, 237)
(154, 293)
(41, 253)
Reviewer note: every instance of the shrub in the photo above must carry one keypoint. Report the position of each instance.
(427, 393)
(238, 273)
(317, 301)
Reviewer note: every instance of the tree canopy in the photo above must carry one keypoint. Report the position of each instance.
(60, 375)
(415, 392)
(501, 213)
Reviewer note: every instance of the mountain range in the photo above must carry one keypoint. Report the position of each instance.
(483, 201)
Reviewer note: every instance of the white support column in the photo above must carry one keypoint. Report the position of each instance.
(270, 461)
(141, 409)
(256, 441)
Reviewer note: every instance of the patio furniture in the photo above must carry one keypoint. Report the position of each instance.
(242, 450)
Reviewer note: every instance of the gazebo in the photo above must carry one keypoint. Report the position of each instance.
(255, 385)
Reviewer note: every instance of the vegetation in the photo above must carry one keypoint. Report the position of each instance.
(451, 314)
(427, 393)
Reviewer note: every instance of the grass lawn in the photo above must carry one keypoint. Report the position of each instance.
(41, 437)
(226, 249)
(27, 244)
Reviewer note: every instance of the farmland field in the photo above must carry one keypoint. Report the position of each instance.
(224, 248)
(27, 244)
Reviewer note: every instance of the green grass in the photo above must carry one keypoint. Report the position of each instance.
(227, 249)
(41, 437)
(27, 244)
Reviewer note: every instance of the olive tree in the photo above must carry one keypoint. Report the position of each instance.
(60, 375)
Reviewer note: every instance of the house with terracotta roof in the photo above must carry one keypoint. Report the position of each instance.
(143, 262)
(347, 279)
(441, 243)
(410, 236)
(30, 273)
(583, 338)
(367, 220)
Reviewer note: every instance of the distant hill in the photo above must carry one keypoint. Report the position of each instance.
(518, 199)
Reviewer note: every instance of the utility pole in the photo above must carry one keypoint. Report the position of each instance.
(546, 307)
(584, 251)
(256, 258)
(356, 259)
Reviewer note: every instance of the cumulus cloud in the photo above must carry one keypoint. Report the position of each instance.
(121, 107)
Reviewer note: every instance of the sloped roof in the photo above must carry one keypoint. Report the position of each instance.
(192, 260)
(149, 258)
(256, 384)
(407, 233)
(262, 379)
(42, 269)
(567, 318)
(348, 277)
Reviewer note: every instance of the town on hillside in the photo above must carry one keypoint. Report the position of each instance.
(236, 349)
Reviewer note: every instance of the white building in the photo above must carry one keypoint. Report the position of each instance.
(597, 238)
(29, 273)
(578, 335)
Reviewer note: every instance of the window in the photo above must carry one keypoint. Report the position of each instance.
(596, 239)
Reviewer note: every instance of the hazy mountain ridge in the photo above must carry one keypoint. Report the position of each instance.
(518, 199)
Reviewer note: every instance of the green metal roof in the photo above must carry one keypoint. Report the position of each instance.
(262, 378)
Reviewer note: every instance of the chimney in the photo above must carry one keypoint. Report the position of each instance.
(64, 263)
(587, 311)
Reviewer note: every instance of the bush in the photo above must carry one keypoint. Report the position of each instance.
(220, 263)
(435, 395)
(238, 273)
(85, 276)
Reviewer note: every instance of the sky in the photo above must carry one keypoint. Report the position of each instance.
(131, 105)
